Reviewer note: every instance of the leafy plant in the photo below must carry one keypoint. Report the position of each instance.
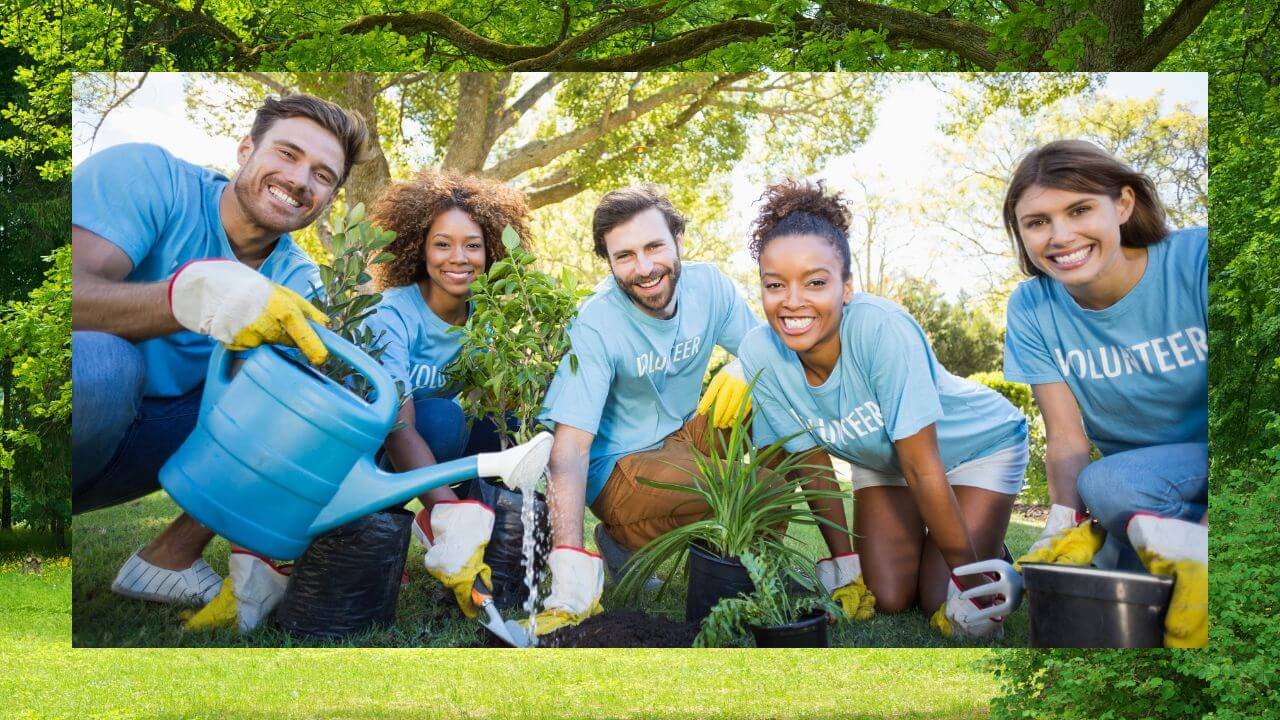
(357, 244)
(513, 341)
(754, 494)
(771, 604)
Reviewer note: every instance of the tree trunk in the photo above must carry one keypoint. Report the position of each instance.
(360, 93)
(6, 494)
(466, 149)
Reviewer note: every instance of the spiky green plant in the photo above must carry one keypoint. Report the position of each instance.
(754, 494)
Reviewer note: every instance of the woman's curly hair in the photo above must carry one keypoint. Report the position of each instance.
(801, 207)
(408, 208)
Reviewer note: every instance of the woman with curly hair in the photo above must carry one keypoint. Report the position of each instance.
(936, 460)
(448, 231)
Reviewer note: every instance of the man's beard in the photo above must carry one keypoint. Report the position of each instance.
(658, 303)
(248, 194)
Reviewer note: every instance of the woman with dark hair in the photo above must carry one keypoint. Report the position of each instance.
(936, 460)
(448, 231)
(1110, 334)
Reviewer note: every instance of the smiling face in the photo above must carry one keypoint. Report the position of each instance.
(454, 254)
(645, 261)
(803, 289)
(1074, 237)
(290, 176)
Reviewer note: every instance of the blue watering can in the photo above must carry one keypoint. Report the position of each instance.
(281, 453)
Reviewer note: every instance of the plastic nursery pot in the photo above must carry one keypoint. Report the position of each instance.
(1091, 608)
(348, 580)
(712, 578)
(504, 554)
(809, 631)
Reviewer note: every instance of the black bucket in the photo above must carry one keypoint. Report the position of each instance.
(1090, 608)
(712, 578)
(349, 579)
(808, 632)
(505, 554)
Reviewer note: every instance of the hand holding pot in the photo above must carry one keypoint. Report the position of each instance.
(1179, 549)
(725, 395)
(842, 577)
(459, 532)
(239, 307)
(577, 581)
(1069, 538)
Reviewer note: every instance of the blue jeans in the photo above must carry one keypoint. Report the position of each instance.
(1167, 480)
(119, 439)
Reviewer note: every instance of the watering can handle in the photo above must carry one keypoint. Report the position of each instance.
(384, 404)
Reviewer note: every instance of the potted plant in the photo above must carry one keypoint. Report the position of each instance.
(754, 495)
(773, 612)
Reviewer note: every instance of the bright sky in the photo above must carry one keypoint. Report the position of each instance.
(900, 154)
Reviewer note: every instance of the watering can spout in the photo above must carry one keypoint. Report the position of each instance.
(368, 489)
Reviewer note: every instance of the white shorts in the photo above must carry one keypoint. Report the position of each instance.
(1003, 471)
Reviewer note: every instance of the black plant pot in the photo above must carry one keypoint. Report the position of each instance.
(349, 579)
(1086, 607)
(808, 632)
(712, 578)
(505, 552)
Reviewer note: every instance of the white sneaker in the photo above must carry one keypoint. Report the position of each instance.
(196, 585)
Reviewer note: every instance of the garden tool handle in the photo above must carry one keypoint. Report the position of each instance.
(386, 400)
(1007, 584)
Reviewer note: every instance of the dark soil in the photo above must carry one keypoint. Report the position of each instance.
(624, 629)
(1035, 512)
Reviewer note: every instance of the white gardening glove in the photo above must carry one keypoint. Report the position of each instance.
(963, 617)
(1179, 549)
(1069, 538)
(460, 530)
(577, 580)
(842, 577)
(240, 308)
(726, 394)
(250, 592)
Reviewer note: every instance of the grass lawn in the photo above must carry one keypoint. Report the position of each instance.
(426, 615)
(42, 676)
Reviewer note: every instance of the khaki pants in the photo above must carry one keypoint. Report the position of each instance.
(634, 513)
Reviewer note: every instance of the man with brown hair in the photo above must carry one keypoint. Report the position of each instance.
(629, 411)
(168, 258)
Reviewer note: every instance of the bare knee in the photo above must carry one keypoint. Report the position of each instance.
(894, 598)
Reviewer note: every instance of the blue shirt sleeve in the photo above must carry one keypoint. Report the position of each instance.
(770, 419)
(125, 194)
(577, 398)
(738, 320)
(391, 333)
(900, 371)
(1026, 355)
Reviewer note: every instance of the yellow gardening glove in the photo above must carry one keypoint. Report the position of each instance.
(1178, 549)
(250, 592)
(577, 580)
(460, 531)
(726, 394)
(1069, 538)
(842, 577)
(239, 307)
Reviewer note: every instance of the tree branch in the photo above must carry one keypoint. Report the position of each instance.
(685, 46)
(215, 29)
(530, 97)
(270, 82)
(1169, 34)
(966, 40)
(620, 23)
(540, 152)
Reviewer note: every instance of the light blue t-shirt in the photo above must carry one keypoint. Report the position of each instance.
(163, 212)
(418, 344)
(887, 385)
(638, 377)
(1139, 369)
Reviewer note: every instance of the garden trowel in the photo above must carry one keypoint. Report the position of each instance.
(508, 631)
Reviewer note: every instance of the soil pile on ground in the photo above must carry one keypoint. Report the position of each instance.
(623, 629)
